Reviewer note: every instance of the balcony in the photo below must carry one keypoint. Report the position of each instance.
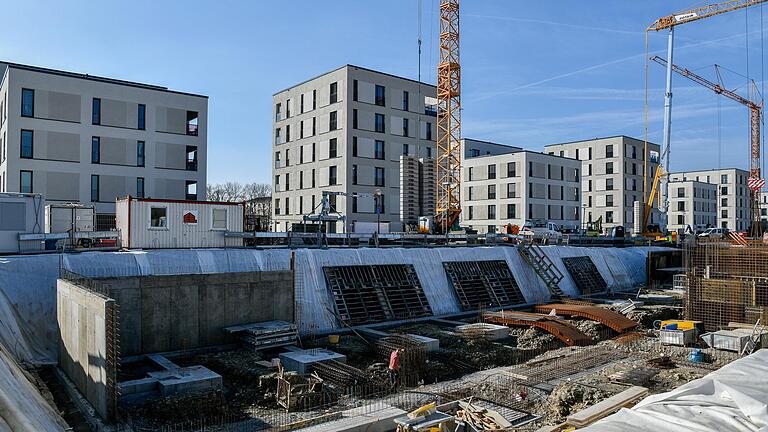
(430, 111)
(192, 165)
(192, 129)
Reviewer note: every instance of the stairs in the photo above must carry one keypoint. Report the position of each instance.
(543, 266)
(754, 339)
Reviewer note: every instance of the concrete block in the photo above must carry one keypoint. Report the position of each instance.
(487, 331)
(143, 385)
(300, 361)
(187, 380)
(430, 344)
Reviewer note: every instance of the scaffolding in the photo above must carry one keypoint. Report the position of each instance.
(726, 282)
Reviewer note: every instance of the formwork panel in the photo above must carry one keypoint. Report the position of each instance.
(483, 284)
(366, 294)
(585, 275)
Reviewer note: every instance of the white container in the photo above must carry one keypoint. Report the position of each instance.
(62, 218)
(371, 227)
(21, 214)
(677, 337)
(155, 224)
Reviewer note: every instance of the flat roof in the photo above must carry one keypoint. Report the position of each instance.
(708, 170)
(356, 67)
(514, 149)
(596, 139)
(95, 78)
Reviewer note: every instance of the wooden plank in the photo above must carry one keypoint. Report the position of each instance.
(606, 407)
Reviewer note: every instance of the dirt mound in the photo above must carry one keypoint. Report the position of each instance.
(568, 398)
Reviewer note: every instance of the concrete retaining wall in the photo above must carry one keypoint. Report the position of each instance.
(84, 341)
(170, 313)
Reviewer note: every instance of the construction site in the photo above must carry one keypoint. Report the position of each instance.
(525, 328)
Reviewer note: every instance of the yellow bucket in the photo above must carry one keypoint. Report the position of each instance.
(333, 339)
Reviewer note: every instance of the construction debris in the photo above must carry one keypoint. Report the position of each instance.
(265, 335)
(480, 419)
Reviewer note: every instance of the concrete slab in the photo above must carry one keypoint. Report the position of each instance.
(430, 344)
(187, 380)
(362, 419)
(300, 361)
(487, 331)
(162, 361)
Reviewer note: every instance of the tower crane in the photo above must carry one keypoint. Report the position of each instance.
(449, 118)
(755, 116)
(669, 23)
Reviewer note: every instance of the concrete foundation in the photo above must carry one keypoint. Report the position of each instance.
(429, 344)
(174, 380)
(300, 361)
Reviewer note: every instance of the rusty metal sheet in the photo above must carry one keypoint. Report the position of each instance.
(613, 320)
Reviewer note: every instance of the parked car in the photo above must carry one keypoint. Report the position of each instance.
(714, 232)
(541, 230)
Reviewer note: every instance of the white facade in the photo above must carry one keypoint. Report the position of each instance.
(611, 176)
(344, 131)
(507, 185)
(82, 138)
(692, 204)
(732, 194)
(20, 214)
(156, 224)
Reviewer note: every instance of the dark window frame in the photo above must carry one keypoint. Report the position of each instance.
(31, 181)
(141, 152)
(95, 191)
(141, 117)
(383, 123)
(96, 111)
(31, 147)
(95, 150)
(25, 91)
(140, 191)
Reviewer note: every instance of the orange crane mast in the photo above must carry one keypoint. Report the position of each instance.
(448, 118)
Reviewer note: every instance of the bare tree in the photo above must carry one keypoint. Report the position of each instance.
(257, 197)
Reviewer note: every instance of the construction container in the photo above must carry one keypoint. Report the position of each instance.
(733, 340)
(71, 217)
(154, 224)
(677, 337)
(21, 214)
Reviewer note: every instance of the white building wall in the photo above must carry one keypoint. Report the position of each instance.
(692, 204)
(732, 194)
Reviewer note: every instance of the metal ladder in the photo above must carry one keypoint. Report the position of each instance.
(754, 339)
(543, 266)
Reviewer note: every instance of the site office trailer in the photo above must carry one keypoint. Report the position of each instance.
(21, 214)
(155, 224)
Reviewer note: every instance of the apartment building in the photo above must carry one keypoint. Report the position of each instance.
(345, 131)
(81, 138)
(732, 194)
(692, 205)
(611, 176)
(504, 185)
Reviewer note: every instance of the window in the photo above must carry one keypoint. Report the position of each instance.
(192, 158)
(471, 172)
(492, 212)
(405, 127)
(608, 184)
(27, 103)
(681, 206)
(140, 153)
(609, 167)
(589, 156)
(405, 149)
(27, 144)
(332, 175)
(354, 146)
(278, 112)
(96, 111)
(491, 191)
(277, 136)
(313, 177)
(724, 202)
(380, 97)
(332, 121)
(288, 106)
(469, 193)
(191, 190)
(192, 123)
(301, 155)
(609, 217)
(511, 211)
(287, 181)
(470, 216)
(380, 123)
(379, 176)
(511, 190)
(141, 123)
(354, 90)
(724, 213)
(511, 169)
(609, 151)
(219, 219)
(429, 152)
(334, 97)
(680, 219)
(25, 181)
(287, 133)
(491, 172)
(140, 187)
(354, 119)
(428, 131)
(277, 206)
(314, 126)
(354, 174)
(634, 184)
(681, 192)
(158, 217)
(287, 207)
(379, 150)
(301, 179)
(724, 190)
(301, 129)
(724, 178)
(314, 99)
(332, 148)
(609, 200)
(474, 152)
(94, 188)
(95, 150)
(314, 152)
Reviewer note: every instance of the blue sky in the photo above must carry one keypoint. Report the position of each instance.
(534, 73)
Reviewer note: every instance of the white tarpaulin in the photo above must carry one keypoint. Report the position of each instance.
(732, 398)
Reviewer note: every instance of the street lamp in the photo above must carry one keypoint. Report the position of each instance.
(583, 216)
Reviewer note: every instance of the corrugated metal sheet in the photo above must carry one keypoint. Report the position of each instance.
(178, 224)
